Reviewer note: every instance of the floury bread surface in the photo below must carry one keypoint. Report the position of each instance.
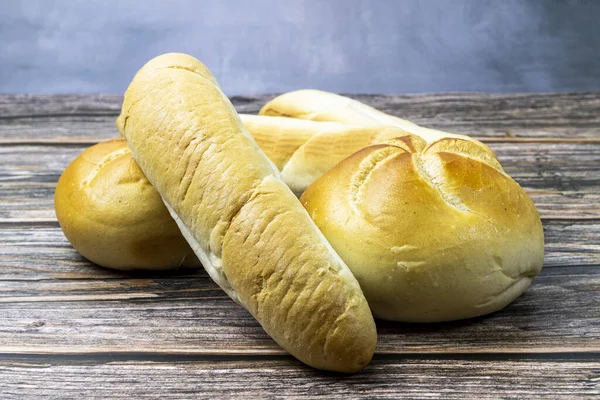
(246, 226)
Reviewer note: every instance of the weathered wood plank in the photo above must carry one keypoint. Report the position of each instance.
(493, 115)
(89, 309)
(34, 251)
(86, 118)
(563, 179)
(276, 377)
(39, 252)
(482, 114)
(570, 243)
(14, 106)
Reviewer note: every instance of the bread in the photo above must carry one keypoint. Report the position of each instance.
(113, 216)
(247, 228)
(149, 239)
(433, 232)
(317, 105)
(305, 150)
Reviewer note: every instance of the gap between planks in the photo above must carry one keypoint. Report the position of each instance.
(592, 352)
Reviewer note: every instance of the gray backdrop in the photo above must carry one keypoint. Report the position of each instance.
(262, 46)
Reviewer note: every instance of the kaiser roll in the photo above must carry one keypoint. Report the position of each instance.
(433, 232)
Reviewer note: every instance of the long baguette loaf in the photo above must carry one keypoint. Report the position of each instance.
(247, 228)
(305, 150)
(317, 105)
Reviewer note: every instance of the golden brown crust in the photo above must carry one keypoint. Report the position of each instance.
(110, 213)
(224, 192)
(431, 235)
(306, 297)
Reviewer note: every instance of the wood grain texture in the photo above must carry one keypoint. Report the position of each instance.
(55, 301)
(282, 377)
(564, 115)
(69, 329)
(34, 251)
(189, 314)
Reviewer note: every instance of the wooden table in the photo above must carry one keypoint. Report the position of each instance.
(69, 329)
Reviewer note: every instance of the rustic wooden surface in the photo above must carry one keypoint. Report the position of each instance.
(69, 329)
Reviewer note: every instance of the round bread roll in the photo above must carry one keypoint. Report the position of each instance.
(111, 214)
(433, 232)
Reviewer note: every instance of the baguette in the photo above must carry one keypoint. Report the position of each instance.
(247, 228)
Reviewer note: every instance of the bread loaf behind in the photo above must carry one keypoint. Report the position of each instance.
(317, 105)
(113, 216)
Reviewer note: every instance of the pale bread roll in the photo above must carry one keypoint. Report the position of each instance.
(280, 137)
(317, 105)
(113, 216)
(246, 226)
(432, 232)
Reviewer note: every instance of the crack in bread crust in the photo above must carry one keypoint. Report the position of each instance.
(106, 159)
(366, 168)
(214, 270)
(465, 148)
(426, 168)
(410, 143)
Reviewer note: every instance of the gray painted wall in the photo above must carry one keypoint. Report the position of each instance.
(261, 46)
